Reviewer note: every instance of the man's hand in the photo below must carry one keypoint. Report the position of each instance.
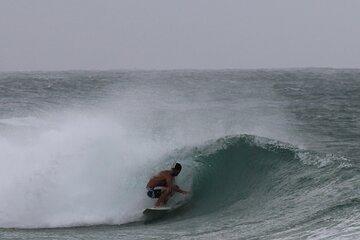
(185, 192)
(177, 189)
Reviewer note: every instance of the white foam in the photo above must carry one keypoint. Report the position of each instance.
(84, 170)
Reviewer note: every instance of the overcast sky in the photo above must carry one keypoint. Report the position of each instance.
(170, 34)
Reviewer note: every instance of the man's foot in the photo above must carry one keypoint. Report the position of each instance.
(159, 205)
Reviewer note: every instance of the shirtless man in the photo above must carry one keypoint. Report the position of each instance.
(162, 185)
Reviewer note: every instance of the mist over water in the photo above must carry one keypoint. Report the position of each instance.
(77, 149)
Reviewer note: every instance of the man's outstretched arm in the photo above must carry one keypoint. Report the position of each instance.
(177, 189)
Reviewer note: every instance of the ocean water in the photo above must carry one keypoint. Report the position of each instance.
(266, 154)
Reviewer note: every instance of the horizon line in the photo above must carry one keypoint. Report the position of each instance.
(180, 69)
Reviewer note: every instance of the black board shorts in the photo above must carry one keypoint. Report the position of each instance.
(154, 192)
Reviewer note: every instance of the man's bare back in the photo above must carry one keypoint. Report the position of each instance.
(163, 179)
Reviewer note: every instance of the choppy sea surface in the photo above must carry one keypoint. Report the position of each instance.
(266, 154)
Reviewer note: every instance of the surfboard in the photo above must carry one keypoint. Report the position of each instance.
(164, 210)
(156, 210)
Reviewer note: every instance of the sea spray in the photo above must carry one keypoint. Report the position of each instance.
(82, 170)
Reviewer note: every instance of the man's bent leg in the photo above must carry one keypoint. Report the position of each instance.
(165, 195)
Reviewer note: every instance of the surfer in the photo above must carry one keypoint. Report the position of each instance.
(162, 185)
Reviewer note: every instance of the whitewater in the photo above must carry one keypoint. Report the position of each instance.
(266, 154)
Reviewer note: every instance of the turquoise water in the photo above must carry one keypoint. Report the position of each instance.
(267, 154)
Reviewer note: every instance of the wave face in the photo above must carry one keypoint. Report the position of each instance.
(261, 187)
(266, 154)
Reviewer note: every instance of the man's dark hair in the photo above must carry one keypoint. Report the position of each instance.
(177, 167)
